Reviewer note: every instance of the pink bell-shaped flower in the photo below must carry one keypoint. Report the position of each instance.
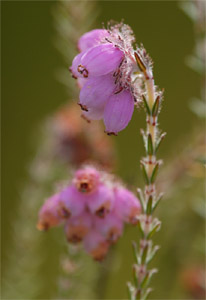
(127, 206)
(99, 60)
(101, 202)
(71, 203)
(111, 227)
(96, 92)
(49, 215)
(76, 228)
(118, 112)
(96, 245)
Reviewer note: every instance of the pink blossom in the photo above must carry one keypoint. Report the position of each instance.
(127, 206)
(107, 60)
(111, 227)
(86, 180)
(71, 202)
(76, 228)
(101, 202)
(93, 209)
(96, 245)
(118, 112)
(49, 215)
(92, 38)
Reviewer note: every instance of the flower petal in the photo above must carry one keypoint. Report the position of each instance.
(76, 228)
(96, 245)
(92, 38)
(101, 202)
(75, 63)
(118, 112)
(96, 92)
(111, 227)
(94, 114)
(127, 206)
(72, 202)
(48, 214)
(100, 60)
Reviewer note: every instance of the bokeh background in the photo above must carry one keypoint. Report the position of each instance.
(31, 92)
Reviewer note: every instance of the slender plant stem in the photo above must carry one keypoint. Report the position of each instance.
(148, 224)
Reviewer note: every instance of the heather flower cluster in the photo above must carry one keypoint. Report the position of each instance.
(93, 209)
(107, 74)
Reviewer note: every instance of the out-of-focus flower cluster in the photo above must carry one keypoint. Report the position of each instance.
(93, 209)
(106, 70)
(77, 142)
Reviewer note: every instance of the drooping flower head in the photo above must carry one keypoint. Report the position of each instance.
(108, 66)
(93, 208)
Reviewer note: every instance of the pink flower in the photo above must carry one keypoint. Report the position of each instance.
(93, 209)
(86, 180)
(76, 228)
(49, 214)
(107, 61)
(71, 202)
(91, 38)
(127, 206)
(101, 202)
(111, 227)
(96, 245)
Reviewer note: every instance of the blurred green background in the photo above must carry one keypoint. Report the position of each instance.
(30, 92)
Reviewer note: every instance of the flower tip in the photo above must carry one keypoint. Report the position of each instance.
(83, 71)
(73, 75)
(111, 133)
(100, 252)
(42, 226)
(82, 106)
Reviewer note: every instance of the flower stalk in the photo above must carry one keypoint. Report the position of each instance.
(148, 225)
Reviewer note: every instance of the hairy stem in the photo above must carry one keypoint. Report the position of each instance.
(148, 224)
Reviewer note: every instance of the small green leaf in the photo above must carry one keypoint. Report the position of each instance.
(155, 229)
(157, 202)
(149, 205)
(144, 254)
(159, 141)
(154, 173)
(145, 174)
(152, 254)
(130, 290)
(146, 105)
(142, 200)
(146, 294)
(155, 107)
(135, 278)
(148, 277)
(140, 228)
(149, 144)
